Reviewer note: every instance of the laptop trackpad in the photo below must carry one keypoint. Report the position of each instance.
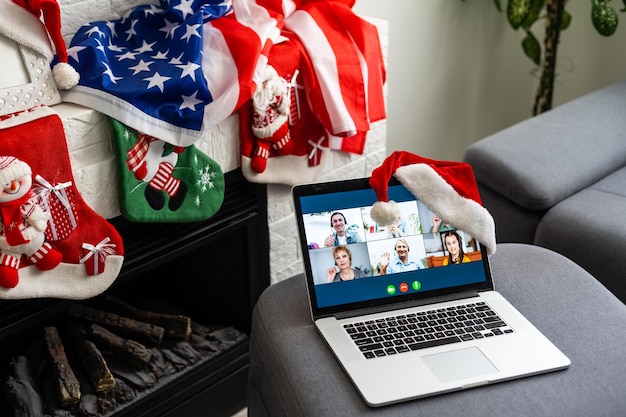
(459, 364)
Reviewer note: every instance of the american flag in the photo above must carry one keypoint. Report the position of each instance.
(346, 62)
(180, 67)
(165, 70)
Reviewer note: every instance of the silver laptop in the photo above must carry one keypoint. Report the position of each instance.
(401, 317)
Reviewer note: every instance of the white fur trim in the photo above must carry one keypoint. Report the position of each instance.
(286, 169)
(24, 28)
(65, 76)
(385, 213)
(462, 213)
(68, 281)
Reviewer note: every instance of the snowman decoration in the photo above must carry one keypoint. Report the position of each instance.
(23, 224)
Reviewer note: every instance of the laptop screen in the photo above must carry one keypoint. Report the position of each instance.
(351, 262)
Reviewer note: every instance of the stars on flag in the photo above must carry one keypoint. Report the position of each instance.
(151, 58)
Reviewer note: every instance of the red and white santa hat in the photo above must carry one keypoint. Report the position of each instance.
(447, 188)
(21, 22)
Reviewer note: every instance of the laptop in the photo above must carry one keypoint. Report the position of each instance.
(433, 328)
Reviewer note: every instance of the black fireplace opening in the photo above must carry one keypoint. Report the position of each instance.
(169, 338)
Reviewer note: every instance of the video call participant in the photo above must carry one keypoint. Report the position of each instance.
(343, 260)
(340, 235)
(400, 262)
(439, 226)
(454, 245)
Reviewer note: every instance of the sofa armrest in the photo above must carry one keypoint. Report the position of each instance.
(545, 159)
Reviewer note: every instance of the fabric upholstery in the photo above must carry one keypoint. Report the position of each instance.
(542, 160)
(595, 219)
(557, 180)
(293, 373)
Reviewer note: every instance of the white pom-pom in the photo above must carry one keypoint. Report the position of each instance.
(65, 76)
(385, 213)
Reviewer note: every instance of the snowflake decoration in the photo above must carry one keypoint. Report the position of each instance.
(205, 178)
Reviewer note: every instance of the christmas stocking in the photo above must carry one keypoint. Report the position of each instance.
(51, 243)
(161, 183)
(291, 121)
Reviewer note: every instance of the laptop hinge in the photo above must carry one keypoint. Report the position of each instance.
(407, 304)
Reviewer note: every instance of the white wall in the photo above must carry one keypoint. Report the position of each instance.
(456, 71)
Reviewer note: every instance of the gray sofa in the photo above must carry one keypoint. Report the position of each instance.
(558, 180)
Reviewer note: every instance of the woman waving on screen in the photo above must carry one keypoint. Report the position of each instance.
(343, 261)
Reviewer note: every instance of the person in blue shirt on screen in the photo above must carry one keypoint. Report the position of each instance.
(400, 262)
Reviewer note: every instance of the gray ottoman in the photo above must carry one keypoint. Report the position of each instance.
(292, 372)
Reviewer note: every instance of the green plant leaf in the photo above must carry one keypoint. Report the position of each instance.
(604, 18)
(516, 12)
(532, 48)
(499, 6)
(566, 20)
(533, 13)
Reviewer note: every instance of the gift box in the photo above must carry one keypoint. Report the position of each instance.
(59, 201)
(94, 256)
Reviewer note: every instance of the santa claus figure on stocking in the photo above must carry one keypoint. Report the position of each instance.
(270, 125)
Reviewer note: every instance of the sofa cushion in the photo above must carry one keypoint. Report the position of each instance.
(543, 160)
(589, 228)
(514, 223)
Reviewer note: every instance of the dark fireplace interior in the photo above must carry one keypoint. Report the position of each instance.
(169, 338)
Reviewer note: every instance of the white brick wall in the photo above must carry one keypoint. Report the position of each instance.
(285, 255)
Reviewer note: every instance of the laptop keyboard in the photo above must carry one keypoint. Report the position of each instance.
(408, 332)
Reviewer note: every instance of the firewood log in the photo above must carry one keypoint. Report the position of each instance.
(131, 351)
(137, 330)
(176, 326)
(24, 400)
(67, 383)
(93, 361)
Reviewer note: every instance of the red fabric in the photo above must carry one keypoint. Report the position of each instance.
(345, 97)
(459, 175)
(245, 48)
(52, 20)
(305, 131)
(11, 214)
(41, 143)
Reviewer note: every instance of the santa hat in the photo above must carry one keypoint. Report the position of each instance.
(12, 168)
(21, 23)
(447, 188)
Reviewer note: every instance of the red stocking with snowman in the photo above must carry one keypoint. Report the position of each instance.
(51, 243)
